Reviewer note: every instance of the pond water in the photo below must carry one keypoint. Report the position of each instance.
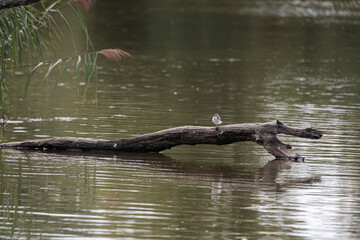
(250, 61)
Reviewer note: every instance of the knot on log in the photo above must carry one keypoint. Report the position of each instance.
(279, 122)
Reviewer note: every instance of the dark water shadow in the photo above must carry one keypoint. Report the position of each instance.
(170, 168)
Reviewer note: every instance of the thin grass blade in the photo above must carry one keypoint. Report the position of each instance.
(78, 67)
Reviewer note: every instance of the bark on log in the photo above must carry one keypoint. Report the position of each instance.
(15, 3)
(263, 134)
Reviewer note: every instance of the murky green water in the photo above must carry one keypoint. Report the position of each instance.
(251, 61)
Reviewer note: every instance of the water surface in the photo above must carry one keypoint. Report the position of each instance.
(250, 61)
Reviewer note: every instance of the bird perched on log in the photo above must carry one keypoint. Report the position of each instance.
(216, 119)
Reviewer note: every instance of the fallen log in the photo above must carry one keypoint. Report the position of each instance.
(263, 134)
(15, 3)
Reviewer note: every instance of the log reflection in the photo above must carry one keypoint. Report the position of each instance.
(198, 171)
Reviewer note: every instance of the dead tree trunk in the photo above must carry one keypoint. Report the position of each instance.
(15, 3)
(263, 134)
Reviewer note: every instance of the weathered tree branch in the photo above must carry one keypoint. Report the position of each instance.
(263, 134)
(15, 3)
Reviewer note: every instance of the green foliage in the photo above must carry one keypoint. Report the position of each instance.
(33, 31)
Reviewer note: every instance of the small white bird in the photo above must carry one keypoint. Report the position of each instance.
(216, 119)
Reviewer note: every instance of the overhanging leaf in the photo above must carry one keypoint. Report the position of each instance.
(31, 73)
(63, 71)
(51, 68)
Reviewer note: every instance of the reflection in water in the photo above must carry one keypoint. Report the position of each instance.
(83, 193)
